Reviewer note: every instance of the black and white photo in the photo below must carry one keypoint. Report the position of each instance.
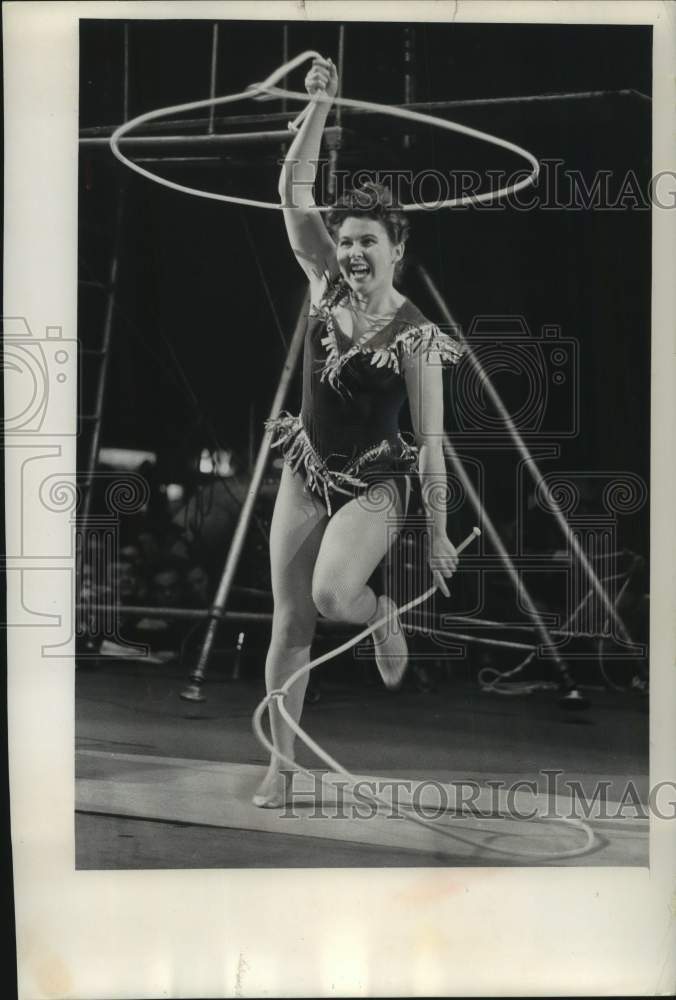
(337, 429)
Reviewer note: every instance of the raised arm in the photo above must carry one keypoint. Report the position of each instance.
(309, 238)
(426, 400)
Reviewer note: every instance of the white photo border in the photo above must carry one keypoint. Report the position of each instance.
(221, 933)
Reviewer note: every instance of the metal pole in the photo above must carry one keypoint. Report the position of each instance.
(257, 617)
(199, 614)
(496, 541)
(193, 691)
(285, 59)
(212, 79)
(178, 614)
(340, 67)
(216, 139)
(279, 116)
(95, 441)
(183, 161)
(529, 461)
(409, 77)
(125, 79)
(332, 135)
(252, 436)
(485, 102)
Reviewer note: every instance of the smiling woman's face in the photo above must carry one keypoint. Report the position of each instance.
(366, 255)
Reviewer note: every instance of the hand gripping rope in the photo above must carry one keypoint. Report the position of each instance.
(267, 90)
(280, 694)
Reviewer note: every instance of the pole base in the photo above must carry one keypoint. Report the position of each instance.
(193, 692)
(574, 701)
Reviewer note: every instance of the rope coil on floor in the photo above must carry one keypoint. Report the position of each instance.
(267, 90)
(279, 695)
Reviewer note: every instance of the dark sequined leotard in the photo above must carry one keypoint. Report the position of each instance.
(347, 436)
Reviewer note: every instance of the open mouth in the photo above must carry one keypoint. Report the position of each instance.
(359, 270)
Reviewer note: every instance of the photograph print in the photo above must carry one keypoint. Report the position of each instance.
(363, 453)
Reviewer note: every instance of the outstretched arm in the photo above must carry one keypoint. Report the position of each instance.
(426, 400)
(309, 238)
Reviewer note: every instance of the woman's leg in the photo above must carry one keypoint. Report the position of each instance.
(355, 542)
(357, 538)
(298, 524)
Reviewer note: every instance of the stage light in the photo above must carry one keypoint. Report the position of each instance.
(218, 463)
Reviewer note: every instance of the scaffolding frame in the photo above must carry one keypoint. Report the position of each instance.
(217, 612)
(97, 138)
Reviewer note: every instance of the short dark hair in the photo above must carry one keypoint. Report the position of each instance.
(370, 201)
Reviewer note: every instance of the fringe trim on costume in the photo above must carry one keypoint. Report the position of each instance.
(406, 343)
(407, 453)
(335, 361)
(392, 355)
(289, 434)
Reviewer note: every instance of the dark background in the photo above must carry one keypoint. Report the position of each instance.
(196, 351)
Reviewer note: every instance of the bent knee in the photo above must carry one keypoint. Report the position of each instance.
(331, 602)
(328, 603)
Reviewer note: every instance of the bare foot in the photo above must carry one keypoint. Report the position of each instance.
(274, 790)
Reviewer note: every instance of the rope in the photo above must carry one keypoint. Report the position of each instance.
(279, 695)
(267, 90)
(611, 684)
(494, 681)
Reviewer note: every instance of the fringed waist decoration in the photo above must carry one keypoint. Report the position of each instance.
(403, 452)
(298, 450)
(289, 434)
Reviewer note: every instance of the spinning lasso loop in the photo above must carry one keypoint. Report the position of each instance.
(267, 89)
(280, 694)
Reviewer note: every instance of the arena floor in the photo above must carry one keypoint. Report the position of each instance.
(166, 783)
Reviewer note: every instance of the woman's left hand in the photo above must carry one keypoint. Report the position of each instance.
(443, 561)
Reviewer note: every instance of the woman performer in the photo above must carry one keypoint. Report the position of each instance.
(344, 482)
